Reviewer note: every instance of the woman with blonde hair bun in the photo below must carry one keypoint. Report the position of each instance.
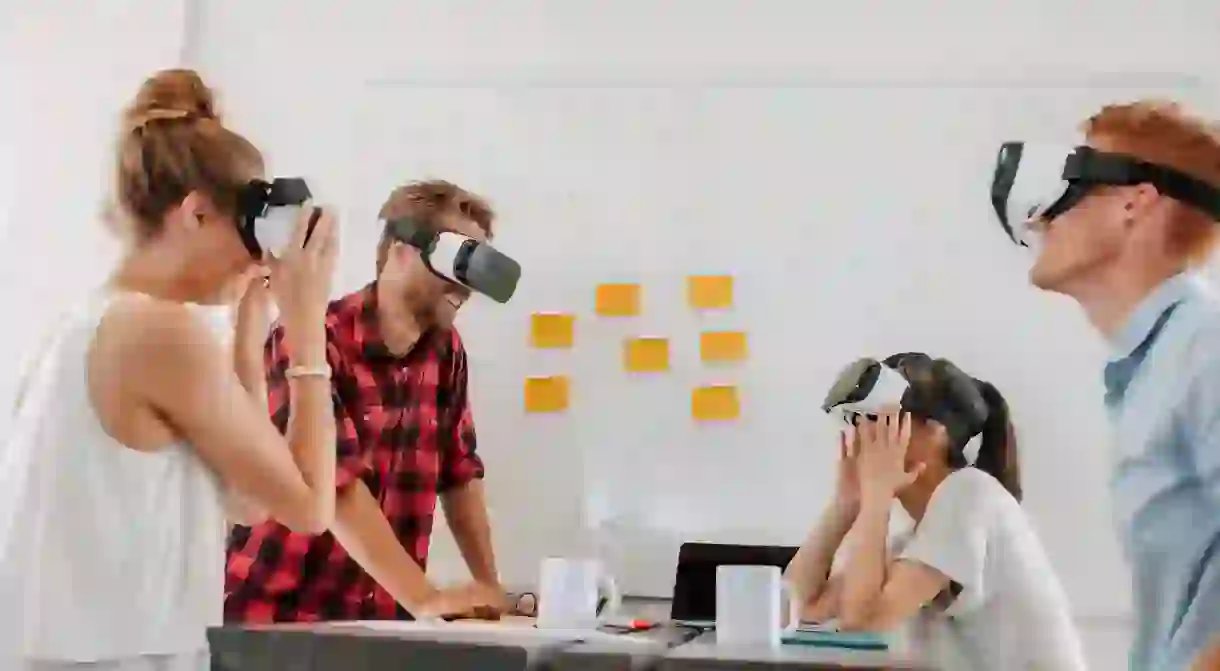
(136, 425)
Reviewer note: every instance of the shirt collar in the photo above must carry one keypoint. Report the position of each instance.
(373, 341)
(1140, 323)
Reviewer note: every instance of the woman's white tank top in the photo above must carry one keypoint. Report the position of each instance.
(106, 553)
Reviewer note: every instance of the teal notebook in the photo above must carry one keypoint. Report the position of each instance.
(856, 640)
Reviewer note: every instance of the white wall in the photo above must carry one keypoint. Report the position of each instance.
(706, 39)
(66, 68)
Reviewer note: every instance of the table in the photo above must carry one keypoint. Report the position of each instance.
(702, 654)
(348, 647)
(513, 645)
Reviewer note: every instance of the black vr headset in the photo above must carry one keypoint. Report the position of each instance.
(459, 259)
(914, 382)
(1041, 181)
(267, 214)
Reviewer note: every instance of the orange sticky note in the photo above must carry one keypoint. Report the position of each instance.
(710, 292)
(715, 403)
(551, 330)
(648, 354)
(617, 300)
(722, 346)
(546, 394)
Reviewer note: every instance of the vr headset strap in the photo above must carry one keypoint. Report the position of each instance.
(1094, 167)
(410, 231)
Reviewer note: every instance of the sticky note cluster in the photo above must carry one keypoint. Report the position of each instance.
(644, 354)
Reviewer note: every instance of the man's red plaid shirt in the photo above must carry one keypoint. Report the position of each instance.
(404, 429)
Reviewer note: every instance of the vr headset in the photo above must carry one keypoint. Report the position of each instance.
(867, 387)
(459, 259)
(864, 389)
(267, 214)
(1042, 181)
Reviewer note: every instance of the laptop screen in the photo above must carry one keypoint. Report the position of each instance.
(694, 597)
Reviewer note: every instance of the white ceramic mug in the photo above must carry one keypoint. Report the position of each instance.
(749, 604)
(569, 591)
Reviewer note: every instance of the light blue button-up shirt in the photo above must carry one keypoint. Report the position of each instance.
(1163, 397)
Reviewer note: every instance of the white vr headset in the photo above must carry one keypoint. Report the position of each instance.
(267, 214)
(459, 259)
(865, 388)
(1035, 182)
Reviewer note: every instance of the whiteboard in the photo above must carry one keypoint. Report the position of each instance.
(855, 221)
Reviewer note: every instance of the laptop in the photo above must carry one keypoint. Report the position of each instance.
(694, 597)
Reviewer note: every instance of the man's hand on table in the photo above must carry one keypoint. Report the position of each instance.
(473, 600)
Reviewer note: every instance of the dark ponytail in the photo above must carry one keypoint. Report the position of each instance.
(998, 447)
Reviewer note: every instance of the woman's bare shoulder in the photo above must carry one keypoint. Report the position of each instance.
(153, 341)
(143, 321)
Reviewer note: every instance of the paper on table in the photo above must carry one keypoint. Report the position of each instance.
(512, 627)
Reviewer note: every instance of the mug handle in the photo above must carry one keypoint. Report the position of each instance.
(609, 595)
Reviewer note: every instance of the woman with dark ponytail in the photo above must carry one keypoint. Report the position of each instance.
(971, 572)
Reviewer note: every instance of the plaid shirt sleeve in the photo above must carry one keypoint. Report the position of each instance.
(459, 461)
(353, 460)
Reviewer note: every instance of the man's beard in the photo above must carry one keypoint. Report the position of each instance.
(422, 307)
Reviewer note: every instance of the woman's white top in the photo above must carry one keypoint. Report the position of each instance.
(1011, 613)
(107, 554)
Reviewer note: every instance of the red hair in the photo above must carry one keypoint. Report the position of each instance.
(1162, 132)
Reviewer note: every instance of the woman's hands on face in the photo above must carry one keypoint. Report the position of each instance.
(847, 484)
(881, 455)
